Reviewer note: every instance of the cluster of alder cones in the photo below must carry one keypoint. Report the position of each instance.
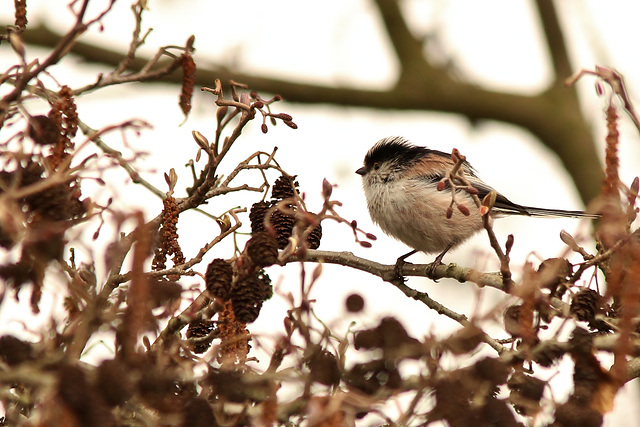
(243, 285)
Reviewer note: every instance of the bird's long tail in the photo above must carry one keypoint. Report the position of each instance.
(550, 213)
(504, 206)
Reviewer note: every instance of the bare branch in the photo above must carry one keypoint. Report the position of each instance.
(555, 39)
(388, 272)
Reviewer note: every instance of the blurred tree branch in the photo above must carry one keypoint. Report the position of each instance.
(550, 115)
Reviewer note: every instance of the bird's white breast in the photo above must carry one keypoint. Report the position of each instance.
(414, 212)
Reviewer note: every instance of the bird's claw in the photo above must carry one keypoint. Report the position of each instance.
(400, 263)
(431, 270)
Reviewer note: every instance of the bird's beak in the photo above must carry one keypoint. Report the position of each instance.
(362, 171)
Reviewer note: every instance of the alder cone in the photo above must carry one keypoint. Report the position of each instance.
(283, 188)
(283, 224)
(218, 278)
(249, 294)
(262, 249)
(314, 237)
(200, 329)
(256, 216)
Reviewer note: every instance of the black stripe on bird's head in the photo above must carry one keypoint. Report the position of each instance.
(395, 150)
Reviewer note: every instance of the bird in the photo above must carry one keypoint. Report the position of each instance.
(409, 198)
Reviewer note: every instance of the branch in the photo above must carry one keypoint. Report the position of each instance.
(555, 39)
(62, 46)
(387, 272)
(116, 155)
(408, 49)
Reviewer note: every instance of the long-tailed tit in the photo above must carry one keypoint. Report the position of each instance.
(400, 183)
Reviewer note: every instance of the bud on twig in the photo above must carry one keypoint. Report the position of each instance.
(488, 202)
(327, 189)
(464, 210)
(633, 190)
(16, 44)
(509, 244)
(222, 111)
(244, 99)
(171, 179)
(224, 222)
(599, 88)
(283, 116)
(201, 140)
(635, 186)
(569, 241)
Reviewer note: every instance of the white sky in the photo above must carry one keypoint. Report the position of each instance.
(495, 43)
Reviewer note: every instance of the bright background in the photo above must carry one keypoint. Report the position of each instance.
(498, 44)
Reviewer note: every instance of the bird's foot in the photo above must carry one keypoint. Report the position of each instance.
(431, 269)
(401, 262)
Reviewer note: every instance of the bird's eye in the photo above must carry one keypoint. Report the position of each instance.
(376, 166)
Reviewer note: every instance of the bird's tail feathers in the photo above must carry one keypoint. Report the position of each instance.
(557, 213)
